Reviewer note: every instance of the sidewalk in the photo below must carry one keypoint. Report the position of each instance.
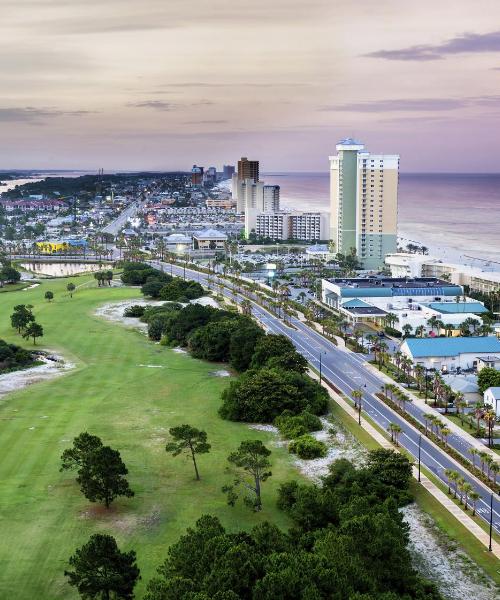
(431, 487)
(453, 427)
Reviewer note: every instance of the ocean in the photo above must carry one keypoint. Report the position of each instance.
(456, 216)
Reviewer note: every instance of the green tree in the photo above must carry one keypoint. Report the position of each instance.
(102, 476)
(270, 346)
(251, 464)
(21, 317)
(260, 396)
(188, 439)
(71, 288)
(83, 446)
(100, 571)
(49, 295)
(33, 330)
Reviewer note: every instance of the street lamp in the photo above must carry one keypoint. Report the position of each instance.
(321, 365)
(491, 520)
(419, 448)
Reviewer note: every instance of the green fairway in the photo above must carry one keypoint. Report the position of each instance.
(114, 394)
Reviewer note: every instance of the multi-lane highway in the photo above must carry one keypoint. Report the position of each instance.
(346, 371)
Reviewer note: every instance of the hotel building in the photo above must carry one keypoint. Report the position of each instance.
(363, 202)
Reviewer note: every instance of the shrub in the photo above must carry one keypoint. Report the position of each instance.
(307, 447)
(293, 426)
(180, 290)
(134, 311)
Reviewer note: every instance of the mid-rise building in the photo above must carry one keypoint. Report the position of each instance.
(272, 225)
(227, 171)
(197, 175)
(248, 169)
(255, 198)
(364, 202)
(308, 227)
(210, 176)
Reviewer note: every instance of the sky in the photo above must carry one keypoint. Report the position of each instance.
(164, 84)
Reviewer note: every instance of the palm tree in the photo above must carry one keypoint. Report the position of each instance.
(356, 395)
(428, 419)
(447, 474)
(478, 413)
(407, 330)
(473, 452)
(433, 322)
(489, 418)
(467, 489)
(460, 485)
(483, 457)
(246, 307)
(454, 476)
(474, 497)
(419, 331)
(445, 432)
(395, 431)
(494, 469)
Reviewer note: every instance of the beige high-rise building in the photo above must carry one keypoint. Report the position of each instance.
(363, 202)
(248, 169)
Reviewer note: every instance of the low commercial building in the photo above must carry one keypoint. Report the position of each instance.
(404, 264)
(209, 239)
(450, 354)
(412, 301)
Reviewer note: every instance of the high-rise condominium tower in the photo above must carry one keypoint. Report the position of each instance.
(364, 202)
(248, 169)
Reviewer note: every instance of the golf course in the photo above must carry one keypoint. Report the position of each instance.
(128, 391)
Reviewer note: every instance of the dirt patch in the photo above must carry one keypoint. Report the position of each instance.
(52, 367)
(220, 373)
(124, 522)
(437, 557)
(113, 311)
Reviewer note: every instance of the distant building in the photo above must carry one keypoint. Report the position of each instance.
(224, 203)
(254, 198)
(209, 239)
(178, 242)
(364, 202)
(308, 227)
(449, 354)
(248, 169)
(227, 171)
(197, 175)
(210, 176)
(404, 264)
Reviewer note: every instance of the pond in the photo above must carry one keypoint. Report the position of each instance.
(63, 269)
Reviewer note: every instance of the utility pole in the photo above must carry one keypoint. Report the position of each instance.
(419, 447)
(491, 521)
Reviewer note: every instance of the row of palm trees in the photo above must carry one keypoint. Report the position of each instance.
(396, 395)
(436, 427)
(468, 326)
(463, 489)
(486, 463)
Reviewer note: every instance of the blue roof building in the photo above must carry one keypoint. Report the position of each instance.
(451, 353)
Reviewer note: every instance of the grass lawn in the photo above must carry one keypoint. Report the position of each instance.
(114, 394)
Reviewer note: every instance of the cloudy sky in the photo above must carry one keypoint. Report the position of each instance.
(162, 84)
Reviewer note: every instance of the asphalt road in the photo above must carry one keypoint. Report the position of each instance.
(346, 371)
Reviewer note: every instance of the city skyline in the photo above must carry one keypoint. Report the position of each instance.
(129, 86)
